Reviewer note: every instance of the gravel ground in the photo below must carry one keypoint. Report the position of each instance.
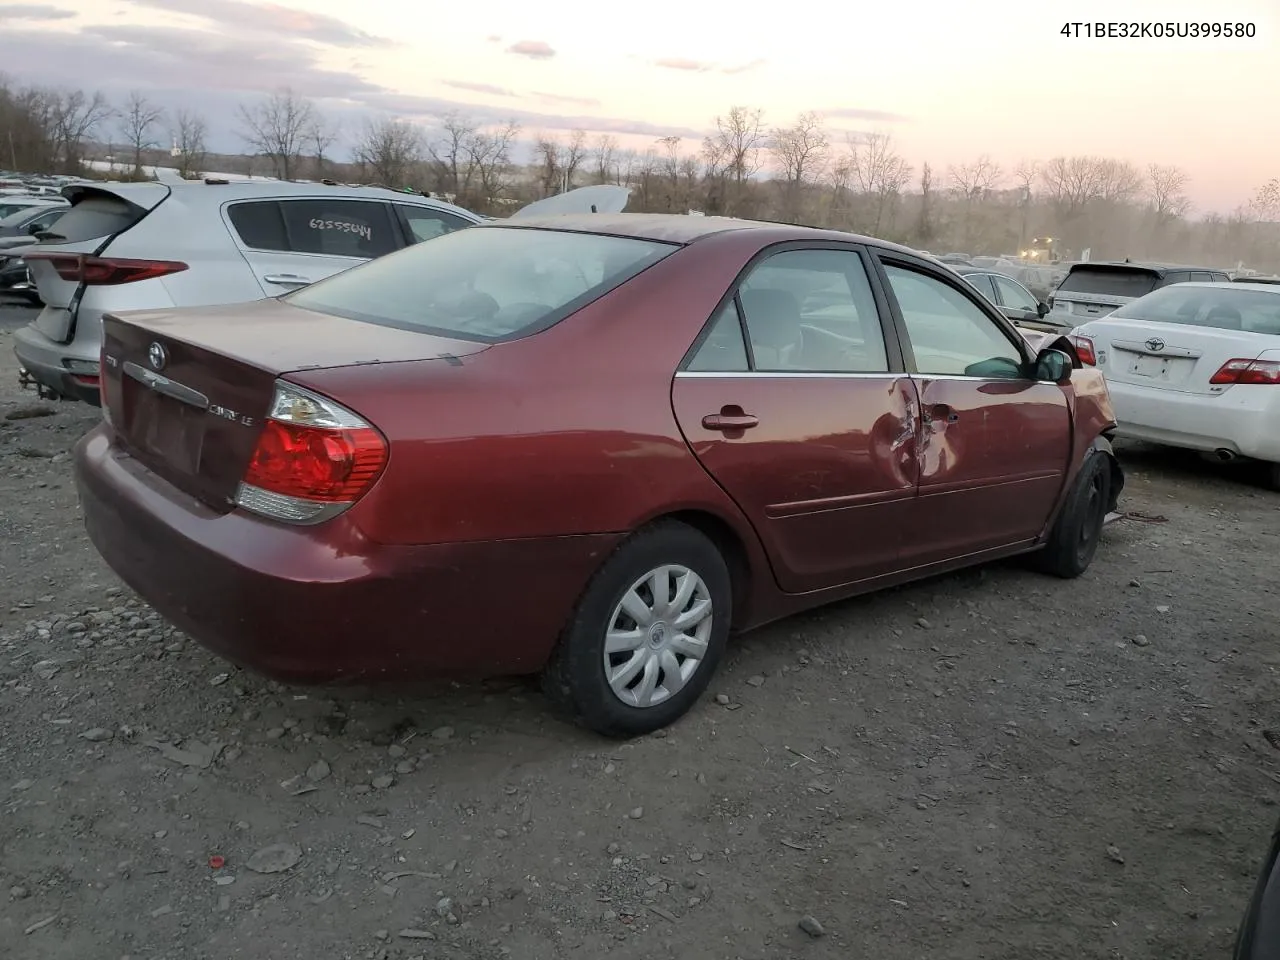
(986, 765)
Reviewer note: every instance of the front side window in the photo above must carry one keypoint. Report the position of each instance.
(487, 283)
(1015, 295)
(950, 335)
(425, 223)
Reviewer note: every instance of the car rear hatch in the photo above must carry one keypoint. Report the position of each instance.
(1093, 290)
(1168, 356)
(186, 391)
(97, 216)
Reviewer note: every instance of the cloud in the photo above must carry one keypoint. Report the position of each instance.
(282, 21)
(679, 63)
(860, 113)
(562, 98)
(745, 67)
(487, 88)
(534, 49)
(33, 11)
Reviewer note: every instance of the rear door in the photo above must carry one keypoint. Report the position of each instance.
(994, 444)
(96, 217)
(1017, 302)
(291, 242)
(797, 405)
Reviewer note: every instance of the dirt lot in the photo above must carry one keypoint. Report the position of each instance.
(991, 764)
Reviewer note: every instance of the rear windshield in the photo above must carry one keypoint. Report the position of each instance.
(488, 284)
(95, 215)
(1222, 307)
(1109, 281)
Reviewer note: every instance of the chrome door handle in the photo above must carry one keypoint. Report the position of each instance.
(286, 279)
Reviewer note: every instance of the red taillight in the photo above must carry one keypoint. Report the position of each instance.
(314, 459)
(315, 463)
(106, 271)
(1247, 371)
(1084, 350)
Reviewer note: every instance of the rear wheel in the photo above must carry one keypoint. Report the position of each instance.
(1273, 475)
(1075, 535)
(646, 635)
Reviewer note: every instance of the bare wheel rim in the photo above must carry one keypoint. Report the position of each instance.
(658, 636)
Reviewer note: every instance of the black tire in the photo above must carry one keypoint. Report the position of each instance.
(1075, 535)
(575, 678)
(1272, 476)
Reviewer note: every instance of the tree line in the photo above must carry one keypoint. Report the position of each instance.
(799, 171)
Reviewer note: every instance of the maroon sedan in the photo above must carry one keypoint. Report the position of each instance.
(584, 446)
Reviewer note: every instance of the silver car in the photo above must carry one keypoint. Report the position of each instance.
(143, 246)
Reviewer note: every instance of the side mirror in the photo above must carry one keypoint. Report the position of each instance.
(1041, 309)
(34, 229)
(1054, 366)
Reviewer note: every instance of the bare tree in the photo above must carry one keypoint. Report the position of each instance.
(188, 132)
(549, 163)
(1119, 181)
(1026, 173)
(1266, 202)
(448, 153)
(1072, 183)
(138, 120)
(320, 136)
(389, 150)
(924, 226)
(879, 173)
(733, 153)
(973, 181)
(1167, 193)
(28, 128)
(801, 152)
(575, 152)
(277, 128)
(74, 115)
(604, 156)
(489, 155)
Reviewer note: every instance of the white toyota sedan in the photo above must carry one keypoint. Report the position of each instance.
(1195, 365)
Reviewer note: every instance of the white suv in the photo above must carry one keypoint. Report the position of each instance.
(143, 246)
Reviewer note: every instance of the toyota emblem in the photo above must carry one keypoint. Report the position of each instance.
(1155, 344)
(158, 356)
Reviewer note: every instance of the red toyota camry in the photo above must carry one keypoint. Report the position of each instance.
(586, 446)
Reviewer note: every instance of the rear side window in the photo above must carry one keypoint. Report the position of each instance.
(333, 228)
(339, 228)
(96, 215)
(487, 283)
(1109, 281)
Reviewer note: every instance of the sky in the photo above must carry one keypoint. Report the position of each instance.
(948, 83)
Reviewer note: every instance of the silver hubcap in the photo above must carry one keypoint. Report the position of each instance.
(658, 635)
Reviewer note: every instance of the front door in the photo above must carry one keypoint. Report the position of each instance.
(1017, 301)
(994, 444)
(795, 406)
(290, 243)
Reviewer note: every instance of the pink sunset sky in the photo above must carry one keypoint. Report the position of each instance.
(949, 81)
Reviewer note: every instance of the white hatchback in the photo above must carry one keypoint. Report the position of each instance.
(142, 246)
(1195, 365)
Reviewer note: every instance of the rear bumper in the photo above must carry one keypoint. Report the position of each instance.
(1241, 420)
(320, 604)
(45, 362)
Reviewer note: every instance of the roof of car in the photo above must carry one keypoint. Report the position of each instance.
(1151, 266)
(219, 191)
(682, 228)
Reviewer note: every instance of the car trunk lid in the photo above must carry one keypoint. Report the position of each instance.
(97, 216)
(186, 391)
(1168, 356)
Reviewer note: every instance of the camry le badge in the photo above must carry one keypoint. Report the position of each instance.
(158, 355)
